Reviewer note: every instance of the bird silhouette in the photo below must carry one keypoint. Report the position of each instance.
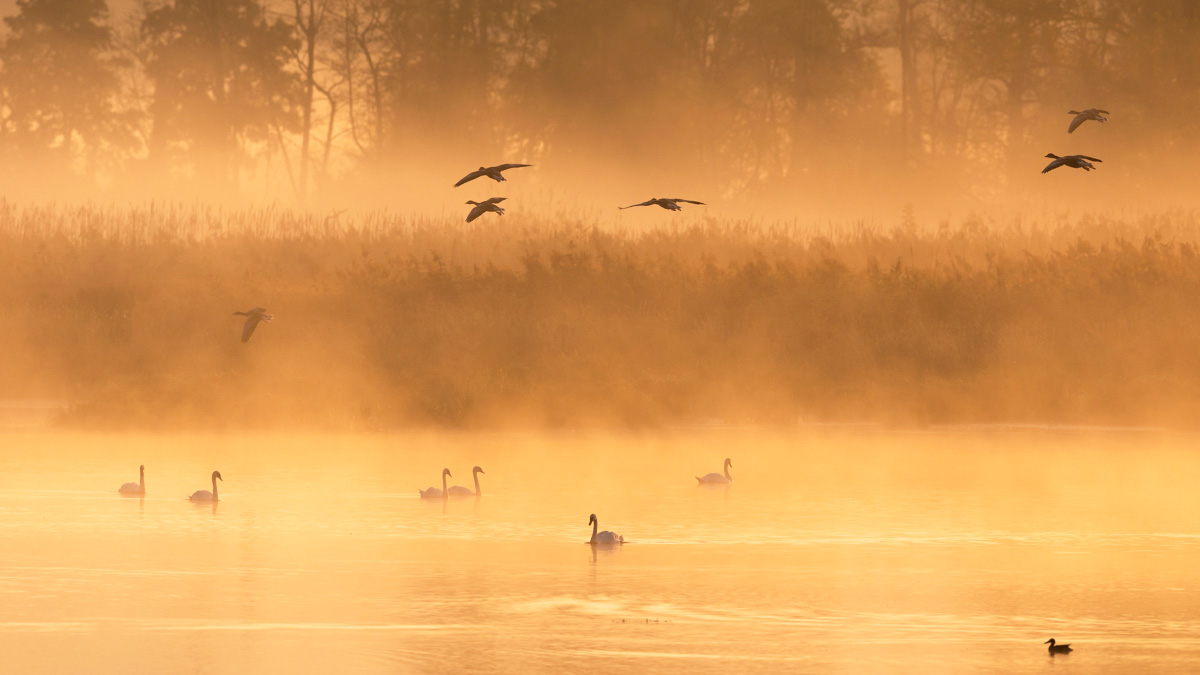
(1057, 649)
(670, 204)
(1074, 161)
(492, 172)
(484, 207)
(1085, 115)
(252, 318)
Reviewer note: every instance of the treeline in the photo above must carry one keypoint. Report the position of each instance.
(759, 98)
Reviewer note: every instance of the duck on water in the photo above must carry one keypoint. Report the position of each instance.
(1057, 649)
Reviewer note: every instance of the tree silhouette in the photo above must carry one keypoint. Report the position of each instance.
(220, 83)
(59, 79)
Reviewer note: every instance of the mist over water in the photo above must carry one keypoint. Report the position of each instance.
(958, 393)
(833, 551)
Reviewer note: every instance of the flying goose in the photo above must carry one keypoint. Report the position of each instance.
(484, 207)
(492, 172)
(1074, 161)
(252, 318)
(1057, 649)
(671, 204)
(1085, 115)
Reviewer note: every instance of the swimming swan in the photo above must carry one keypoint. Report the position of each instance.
(205, 495)
(138, 488)
(604, 537)
(1057, 649)
(434, 492)
(460, 491)
(716, 478)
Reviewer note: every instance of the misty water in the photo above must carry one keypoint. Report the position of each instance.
(835, 550)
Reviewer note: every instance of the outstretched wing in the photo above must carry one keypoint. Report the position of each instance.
(506, 167)
(494, 200)
(688, 201)
(1079, 119)
(249, 326)
(1090, 159)
(1053, 165)
(469, 177)
(645, 203)
(479, 210)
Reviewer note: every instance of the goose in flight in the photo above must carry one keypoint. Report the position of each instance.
(205, 495)
(1057, 649)
(1085, 115)
(460, 491)
(716, 478)
(492, 172)
(1074, 161)
(252, 318)
(671, 204)
(138, 488)
(434, 492)
(604, 537)
(484, 207)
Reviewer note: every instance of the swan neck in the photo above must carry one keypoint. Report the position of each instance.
(214, 482)
(727, 476)
(141, 481)
(444, 493)
(477, 492)
(595, 526)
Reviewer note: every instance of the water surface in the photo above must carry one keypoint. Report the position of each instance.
(835, 551)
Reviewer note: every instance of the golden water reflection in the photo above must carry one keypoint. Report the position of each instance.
(833, 551)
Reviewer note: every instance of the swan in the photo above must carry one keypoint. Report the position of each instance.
(138, 488)
(716, 478)
(1057, 649)
(492, 172)
(484, 207)
(1074, 161)
(205, 495)
(460, 491)
(252, 318)
(604, 537)
(434, 492)
(670, 204)
(1085, 115)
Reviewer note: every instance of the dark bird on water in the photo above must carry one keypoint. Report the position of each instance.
(1074, 161)
(492, 172)
(1082, 116)
(671, 204)
(252, 318)
(484, 207)
(1057, 649)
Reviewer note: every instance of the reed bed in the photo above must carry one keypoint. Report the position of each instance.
(563, 320)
